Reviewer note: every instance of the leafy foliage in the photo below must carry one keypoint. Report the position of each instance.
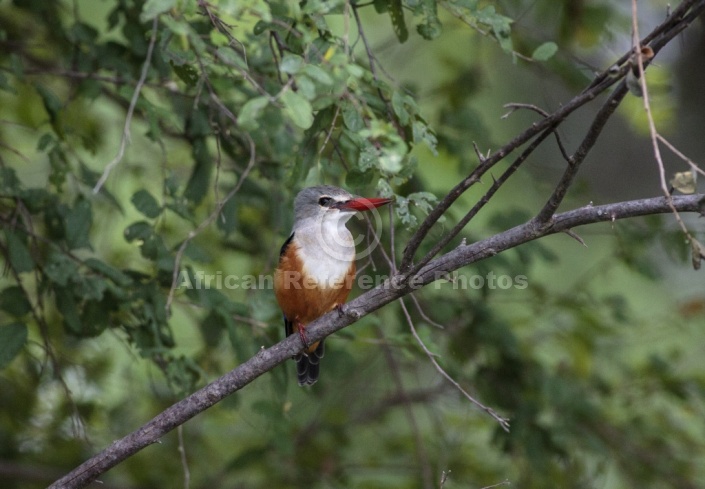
(163, 259)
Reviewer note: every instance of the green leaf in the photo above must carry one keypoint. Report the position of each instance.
(396, 13)
(430, 27)
(146, 203)
(90, 288)
(18, 253)
(298, 109)
(250, 112)
(78, 225)
(13, 337)
(390, 162)
(421, 200)
(545, 51)
(108, 271)
(227, 220)
(66, 304)
(37, 199)
(94, 319)
(14, 302)
(501, 26)
(359, 179)
(60, 269)
(381, 6)
(368, 158)
(291, 63)
(52, 104)
(423, 133)
(197, 253)
(199, 182)
(45, 141)
(152, 8)
(352, 118)
(59, 167)
(140, 230)
(187, 73)
(318, 74)
(9, 183)
(399, 102)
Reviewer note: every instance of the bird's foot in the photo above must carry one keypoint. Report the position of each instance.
(340, 309)
(302, 335)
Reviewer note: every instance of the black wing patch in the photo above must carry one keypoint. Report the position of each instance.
(286, 245)
(288, 327)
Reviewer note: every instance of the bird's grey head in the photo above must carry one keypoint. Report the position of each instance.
(320, 203)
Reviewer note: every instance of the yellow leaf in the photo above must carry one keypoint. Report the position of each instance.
(684, 182)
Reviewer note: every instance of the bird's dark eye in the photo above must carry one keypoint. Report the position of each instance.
(324, 201)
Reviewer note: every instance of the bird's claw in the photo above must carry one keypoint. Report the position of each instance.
(302, 335)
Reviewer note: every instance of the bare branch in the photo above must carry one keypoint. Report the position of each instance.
(675, 23)
(674, 150)
(539, 110)
(503, 422)
(130, 111)
(182, 455)
(544, 216)
(496, 184)
(203, 225)
(653, 133)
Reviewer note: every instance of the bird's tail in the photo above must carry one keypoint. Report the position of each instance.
(307, 365)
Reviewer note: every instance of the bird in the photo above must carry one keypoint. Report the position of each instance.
(316, 265)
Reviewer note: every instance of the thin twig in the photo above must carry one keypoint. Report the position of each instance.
(203, 225)
(503, 483)
(423, 315)
(683, 157)
(330, 131)
(182, 454)
(496, 184)
(373, 70)
(503, 422)
(130, 111)
(421, 453)
(652, 125)
(575, 236)
(539, 110)
(575, 161)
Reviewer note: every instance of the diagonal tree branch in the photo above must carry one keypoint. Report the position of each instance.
(680, 18)
(496, 184)
(266, 359)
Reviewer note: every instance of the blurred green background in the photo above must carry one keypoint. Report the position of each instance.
(598, 361)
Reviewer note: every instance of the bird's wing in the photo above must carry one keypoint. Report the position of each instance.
(286, 245)
(288, 325)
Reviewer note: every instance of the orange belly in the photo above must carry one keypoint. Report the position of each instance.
(301, 299)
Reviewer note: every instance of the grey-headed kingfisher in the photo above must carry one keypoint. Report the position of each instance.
(317, 265)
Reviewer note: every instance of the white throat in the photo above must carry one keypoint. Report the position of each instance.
(326, 248)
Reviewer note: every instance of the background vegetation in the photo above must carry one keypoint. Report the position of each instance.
(142, 139)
